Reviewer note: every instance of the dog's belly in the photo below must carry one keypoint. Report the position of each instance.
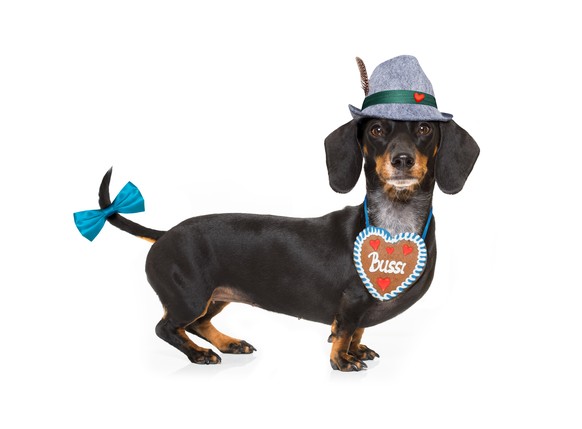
(292, 295)
(323, 314)
(229, 294)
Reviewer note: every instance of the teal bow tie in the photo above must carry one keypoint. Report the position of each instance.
(90, 222)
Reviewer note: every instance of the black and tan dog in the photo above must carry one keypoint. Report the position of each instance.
(308, 268)
(304, 267)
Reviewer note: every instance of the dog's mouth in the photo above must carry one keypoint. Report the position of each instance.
(402, 183)
(401, 188)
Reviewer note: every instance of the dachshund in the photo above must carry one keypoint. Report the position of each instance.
(304, 267)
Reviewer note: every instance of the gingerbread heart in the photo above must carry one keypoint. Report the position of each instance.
(388, 270)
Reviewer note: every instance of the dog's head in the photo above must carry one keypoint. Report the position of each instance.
(401, 156)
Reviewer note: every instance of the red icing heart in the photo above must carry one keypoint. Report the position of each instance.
(383, 283)
(407, 250)
(390, 250)
(375, 244)
(418, 97)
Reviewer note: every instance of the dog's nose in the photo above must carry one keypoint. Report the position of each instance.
(402, 161)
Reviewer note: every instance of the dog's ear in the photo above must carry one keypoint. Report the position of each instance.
(456, 156)
(344, 157)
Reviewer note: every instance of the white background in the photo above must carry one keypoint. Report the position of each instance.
(223, 106)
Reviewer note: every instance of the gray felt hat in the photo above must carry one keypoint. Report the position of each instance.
(399, 90)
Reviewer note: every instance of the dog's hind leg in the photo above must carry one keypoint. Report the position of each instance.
(174, 333)
(206, 330)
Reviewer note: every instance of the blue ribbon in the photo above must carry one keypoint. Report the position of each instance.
(90, 222)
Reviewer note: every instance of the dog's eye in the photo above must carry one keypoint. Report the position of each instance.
(424, 130)
(377, 131)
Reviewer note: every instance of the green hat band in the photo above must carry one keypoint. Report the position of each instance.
(399, 97)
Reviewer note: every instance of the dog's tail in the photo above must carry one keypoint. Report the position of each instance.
(151, 235)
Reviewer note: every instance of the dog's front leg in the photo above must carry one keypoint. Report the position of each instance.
(356, 352)
(341, 338)
(346, 335)
(359, 350)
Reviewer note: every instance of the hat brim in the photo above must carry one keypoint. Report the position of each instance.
(401, 112)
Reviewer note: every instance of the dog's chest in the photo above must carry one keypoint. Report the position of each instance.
(398, 218)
